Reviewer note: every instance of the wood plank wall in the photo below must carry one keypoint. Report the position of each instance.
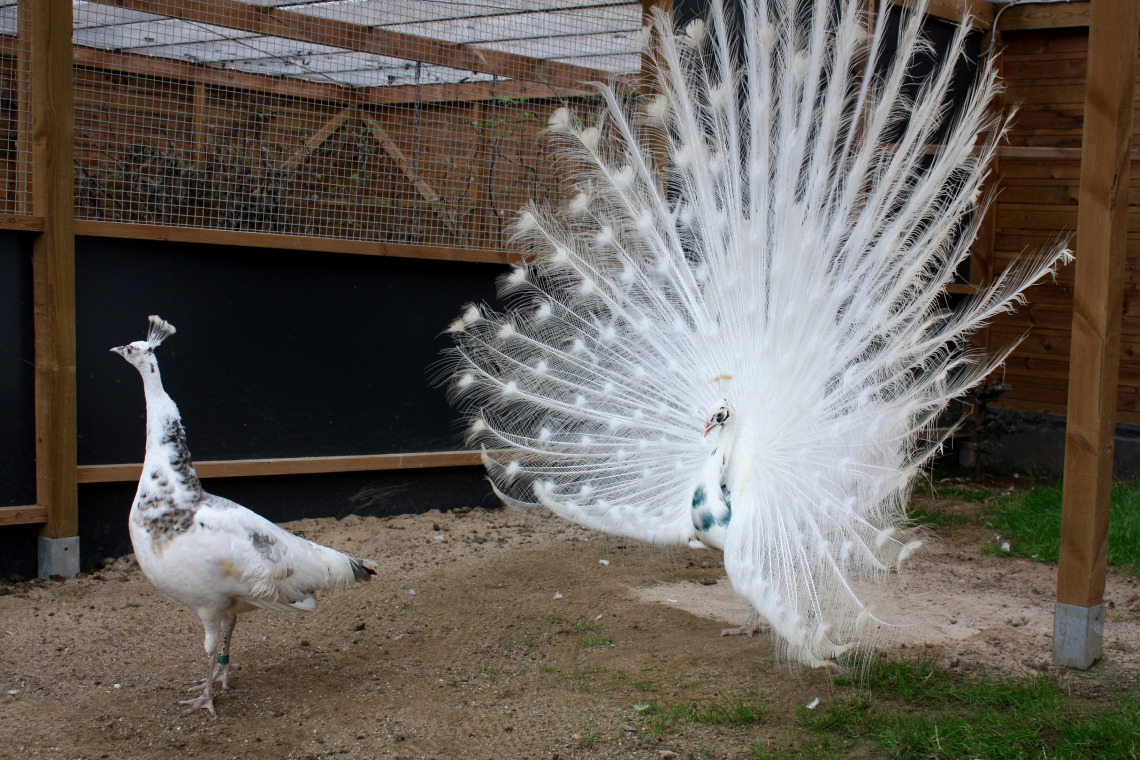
(1039, 177)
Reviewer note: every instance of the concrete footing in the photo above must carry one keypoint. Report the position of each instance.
(1078, 635)
(59, 556)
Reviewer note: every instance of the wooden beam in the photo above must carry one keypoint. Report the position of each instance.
(22, 222)
(279, 22)
(33, 515)
(216, 76)
(53, 263)
(462, 92)
(240, 468)
(981, 12)
(290, 242)
(1102, 224)
(317, 139)
(423, 187)
(1041, 16)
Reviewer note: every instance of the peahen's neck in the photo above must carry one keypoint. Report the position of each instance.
(166, 448)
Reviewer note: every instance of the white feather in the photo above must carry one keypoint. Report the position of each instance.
(793, 263)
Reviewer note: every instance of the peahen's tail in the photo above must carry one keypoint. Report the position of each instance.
(774, 225)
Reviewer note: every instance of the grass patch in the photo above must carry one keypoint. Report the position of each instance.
(977, 494)
(734, 711)
(935, 516)
(596, 639)
(915, 710)
(931, 513)
(1031, 522)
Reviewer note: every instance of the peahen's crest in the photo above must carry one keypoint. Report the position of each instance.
(158, 330)
(772, 230)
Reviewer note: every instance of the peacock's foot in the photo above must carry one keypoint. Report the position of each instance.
(749, 630)
(204, 702)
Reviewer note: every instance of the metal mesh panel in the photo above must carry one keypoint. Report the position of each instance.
(388, 120)
(15, 152)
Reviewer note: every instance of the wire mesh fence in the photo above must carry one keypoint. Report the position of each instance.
(15, 119)
(389, 120)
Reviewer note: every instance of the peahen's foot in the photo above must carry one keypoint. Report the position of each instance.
(749, 630)
(224, 677)
(204, 702)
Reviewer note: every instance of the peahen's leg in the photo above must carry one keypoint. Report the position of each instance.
(206, 699)
(222, 673)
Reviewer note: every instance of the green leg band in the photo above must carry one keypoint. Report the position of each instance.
(223, 659)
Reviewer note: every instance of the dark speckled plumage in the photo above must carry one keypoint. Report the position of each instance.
(183, 465)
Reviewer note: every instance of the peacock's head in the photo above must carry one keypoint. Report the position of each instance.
(720, 415)
(141, 352)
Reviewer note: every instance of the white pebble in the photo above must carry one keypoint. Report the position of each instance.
(1005, 546)
(13, 692)
(603, 562)
(412, 592)
(557, 594)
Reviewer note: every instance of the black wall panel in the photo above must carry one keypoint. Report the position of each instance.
(278, 354)
(17, 377)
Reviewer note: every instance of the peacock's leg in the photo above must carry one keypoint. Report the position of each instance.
(749, 629)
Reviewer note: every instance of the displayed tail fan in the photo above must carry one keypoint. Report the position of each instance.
(736, 331)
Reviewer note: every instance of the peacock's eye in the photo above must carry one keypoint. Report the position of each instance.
(720, 416)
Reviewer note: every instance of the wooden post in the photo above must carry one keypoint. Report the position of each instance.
(1078, 628)
(656, 144)
(53, 267)
(201, 126)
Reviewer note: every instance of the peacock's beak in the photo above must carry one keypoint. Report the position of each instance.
(118, 350)
(708, 425)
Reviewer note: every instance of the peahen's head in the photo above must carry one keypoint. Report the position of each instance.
(141, 352)
(720, 416)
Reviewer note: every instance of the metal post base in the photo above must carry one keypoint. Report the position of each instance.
(59, 556)
(1078, 635)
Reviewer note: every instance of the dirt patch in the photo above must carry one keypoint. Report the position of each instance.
(487, 634)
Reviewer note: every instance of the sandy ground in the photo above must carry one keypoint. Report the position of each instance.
(487, 634)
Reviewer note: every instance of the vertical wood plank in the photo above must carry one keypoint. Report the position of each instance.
(53, 262)
(1097, 303)
(658, 148)
(201, 125)
(982, 255)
